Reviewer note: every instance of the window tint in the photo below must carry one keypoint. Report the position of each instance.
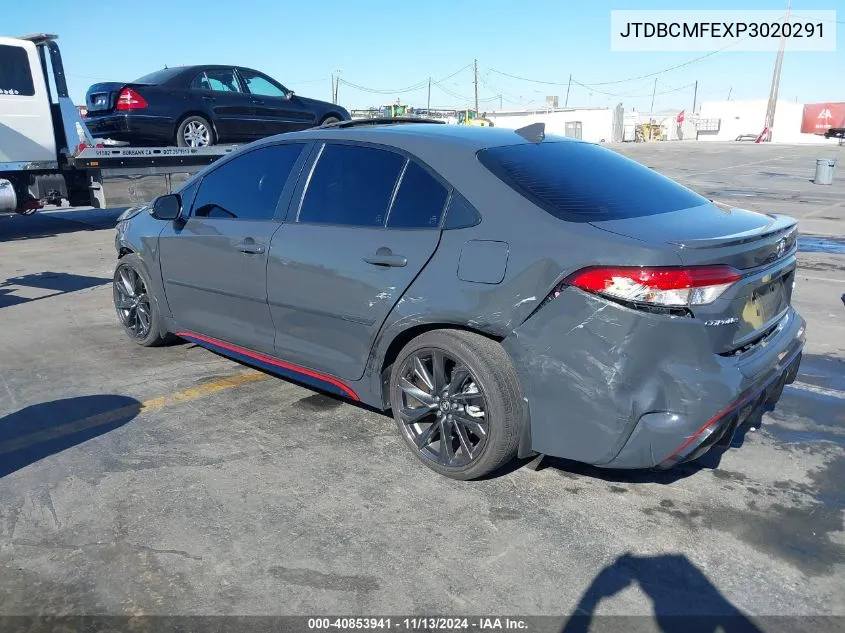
(159, 76)
(219, 80)
(259, 85)
(15, 75)
(584, 182)
(419, 201)
(187, 195)
(461, 213)
(248, 187)
(351, 185)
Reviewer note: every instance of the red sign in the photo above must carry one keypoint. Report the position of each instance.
(820, 117)
(681, 116)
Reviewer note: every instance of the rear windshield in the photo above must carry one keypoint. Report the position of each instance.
(158, 77)
(582, 182)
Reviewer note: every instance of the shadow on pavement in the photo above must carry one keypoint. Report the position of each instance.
(41, 430)
(683, 598)
(49, 223)
(58, 283)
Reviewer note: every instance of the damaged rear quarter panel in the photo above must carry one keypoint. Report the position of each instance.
(591, 368)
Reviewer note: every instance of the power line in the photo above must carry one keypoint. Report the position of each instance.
(622, 81)
(412, 88)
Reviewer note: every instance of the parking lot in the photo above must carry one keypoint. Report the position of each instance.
(174, 481)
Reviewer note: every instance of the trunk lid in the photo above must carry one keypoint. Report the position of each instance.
(101, 98)
(761, 246)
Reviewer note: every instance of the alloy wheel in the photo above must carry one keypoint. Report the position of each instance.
(443, 409)
(132, 302)
(196, 134)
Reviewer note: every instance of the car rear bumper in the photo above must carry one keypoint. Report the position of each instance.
(133, 128)
(619, 388)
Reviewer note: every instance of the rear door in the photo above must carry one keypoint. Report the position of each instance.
(276, 109)
(234, 112)
(26, 125)
(214, 265)
(365, 226)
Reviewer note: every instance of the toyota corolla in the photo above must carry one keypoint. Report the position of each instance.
(504, 293)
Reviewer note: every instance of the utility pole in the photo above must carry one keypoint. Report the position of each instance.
(500, 102)
(773, 93)
(729, 92)
(694, 97)
(428, 101)
(653, 92)
(475, 75)
(568, 86)
(333, 97)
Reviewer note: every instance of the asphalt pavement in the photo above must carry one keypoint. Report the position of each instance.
(174, 481)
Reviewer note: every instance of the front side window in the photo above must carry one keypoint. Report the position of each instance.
(247, 187)
(419, 202)
(219, 80)
(260, 85)
(351, 185)
(15, 74)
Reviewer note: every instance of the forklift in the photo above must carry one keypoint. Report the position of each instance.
(470, 117)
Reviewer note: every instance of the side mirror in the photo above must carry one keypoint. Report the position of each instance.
(167, 207)
(289, 95)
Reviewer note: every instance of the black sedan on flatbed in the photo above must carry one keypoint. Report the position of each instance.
(197, 106)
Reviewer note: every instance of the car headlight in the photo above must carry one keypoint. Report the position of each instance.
(131, 212)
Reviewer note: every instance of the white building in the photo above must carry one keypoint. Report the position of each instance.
(736, 118)
(590, 124)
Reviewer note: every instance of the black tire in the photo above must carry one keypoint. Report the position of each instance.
(493, 381)
(329, 120)
(153, 335)
(196, 121)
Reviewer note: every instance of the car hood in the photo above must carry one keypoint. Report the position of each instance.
(323, 106)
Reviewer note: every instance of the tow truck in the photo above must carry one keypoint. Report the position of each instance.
(48, 155)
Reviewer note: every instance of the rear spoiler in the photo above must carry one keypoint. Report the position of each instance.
(779, 224)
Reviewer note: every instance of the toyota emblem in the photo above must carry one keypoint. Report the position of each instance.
(781, 248)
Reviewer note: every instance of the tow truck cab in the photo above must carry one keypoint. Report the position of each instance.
(40, 128)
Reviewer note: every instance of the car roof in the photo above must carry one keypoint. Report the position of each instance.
(410, 136)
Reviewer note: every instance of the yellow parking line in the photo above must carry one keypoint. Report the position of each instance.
(107, 417)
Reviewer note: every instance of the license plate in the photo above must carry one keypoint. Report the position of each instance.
(99, 101)
(769, 300)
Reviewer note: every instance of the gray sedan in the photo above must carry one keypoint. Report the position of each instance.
(505, 293)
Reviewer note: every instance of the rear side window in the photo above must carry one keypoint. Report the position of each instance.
(582, 182)
(419, 202)
(217, 80)
(247, 187)
(15, 74)
(351, 185)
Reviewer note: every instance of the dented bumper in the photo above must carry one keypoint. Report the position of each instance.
(620, 388)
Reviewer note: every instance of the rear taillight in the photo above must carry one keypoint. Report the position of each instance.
(128, 99)
(669, 287)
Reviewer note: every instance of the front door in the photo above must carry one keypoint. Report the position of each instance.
(276, 109)
(369, 222)
(234, 112)
(214, 264)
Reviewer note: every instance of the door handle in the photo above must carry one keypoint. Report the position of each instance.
(257, 101)
(206, 98)
(385, 257)
(251, 247)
